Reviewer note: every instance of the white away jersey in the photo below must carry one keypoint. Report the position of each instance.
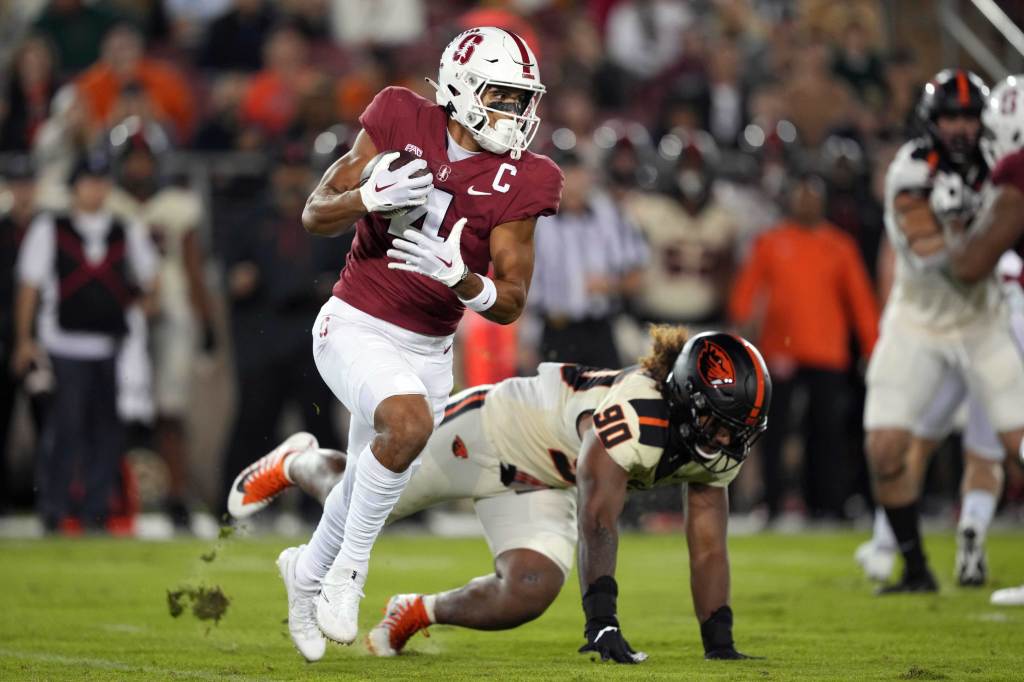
(927, 296)
(632, 423)
(531, 421)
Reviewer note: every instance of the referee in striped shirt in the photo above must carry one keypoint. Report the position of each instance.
(589, 257)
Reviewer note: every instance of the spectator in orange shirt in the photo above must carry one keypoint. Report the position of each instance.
(122, 63)
(802, 290)
(271, 102)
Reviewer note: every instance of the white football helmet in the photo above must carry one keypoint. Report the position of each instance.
(481, 57)
(1003, 120)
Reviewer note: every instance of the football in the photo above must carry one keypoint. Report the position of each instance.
(404, 157)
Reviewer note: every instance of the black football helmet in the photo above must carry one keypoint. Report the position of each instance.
(719, 392)
(952, 92)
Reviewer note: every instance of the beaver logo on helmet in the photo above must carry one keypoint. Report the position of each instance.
(714, 366)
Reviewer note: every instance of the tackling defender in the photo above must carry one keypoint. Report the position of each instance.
(934, 327)
(424, 241)
(1000, 227)
(685, 415)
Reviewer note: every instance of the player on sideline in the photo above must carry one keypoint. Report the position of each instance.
(512, 449)
(934, 327)
(423, 244)
(1000, 227)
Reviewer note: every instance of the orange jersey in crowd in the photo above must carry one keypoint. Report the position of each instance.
(166, 88)
(806, 288)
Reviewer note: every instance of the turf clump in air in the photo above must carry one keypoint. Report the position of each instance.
(208, 603)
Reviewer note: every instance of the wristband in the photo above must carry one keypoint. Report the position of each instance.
(599, 603)
(487, 297)
(716, 631)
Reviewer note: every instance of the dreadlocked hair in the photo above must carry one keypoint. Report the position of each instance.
(667, 341)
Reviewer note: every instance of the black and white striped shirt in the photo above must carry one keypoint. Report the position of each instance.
(572, 249)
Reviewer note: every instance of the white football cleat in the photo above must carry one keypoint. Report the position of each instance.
(1009, 596)
(404, 616)
(971, 567)
(337, 606)
(877, 562)
(301, 609)
(266, 478)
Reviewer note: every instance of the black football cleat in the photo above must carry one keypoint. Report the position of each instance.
(971, 566)
(917, 582)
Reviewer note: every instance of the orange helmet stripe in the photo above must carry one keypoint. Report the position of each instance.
(963, 92)
(759, 374)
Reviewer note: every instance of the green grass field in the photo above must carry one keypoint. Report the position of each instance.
(97, 609)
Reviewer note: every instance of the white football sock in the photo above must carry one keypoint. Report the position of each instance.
(881, 534)
(429, 600)
(321, 551)
(290, 461)
(376, 491)
(978, 508)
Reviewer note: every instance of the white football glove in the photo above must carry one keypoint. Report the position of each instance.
(386, 190)
(432, 257)
(951, 198)
(954, 205)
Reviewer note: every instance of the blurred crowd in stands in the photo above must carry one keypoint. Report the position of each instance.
(723, 160)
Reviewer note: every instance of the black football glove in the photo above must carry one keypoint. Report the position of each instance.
(716, 633)
(609, 642)
(602, 630)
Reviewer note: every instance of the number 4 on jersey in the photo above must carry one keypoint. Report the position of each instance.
(432, 212)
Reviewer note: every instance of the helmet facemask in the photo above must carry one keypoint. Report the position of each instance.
(960, 147)
(515, 124)
(703, 428)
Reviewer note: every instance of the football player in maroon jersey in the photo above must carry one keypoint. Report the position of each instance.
(423, 245)
(999, 227)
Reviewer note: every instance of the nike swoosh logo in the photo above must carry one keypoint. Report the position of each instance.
(477, 193)
(604, 631)
(447, 348)
(447, 263)
(378, 188)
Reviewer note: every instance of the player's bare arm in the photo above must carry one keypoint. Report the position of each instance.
(335, 205)
(512, 254)
(602, 493)
(1000, 226)
(707, 519)
(915, 218)
(602, 486)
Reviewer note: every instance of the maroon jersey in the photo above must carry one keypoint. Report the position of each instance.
(1010, 171)
(486, 189)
